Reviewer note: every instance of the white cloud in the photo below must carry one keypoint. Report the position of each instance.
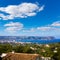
(44, 28)
(48, 28)
(22, 10)
(29, 30)
(56, 24)
(52, 27)
(42, 8)
(13, 26)
(2, 16)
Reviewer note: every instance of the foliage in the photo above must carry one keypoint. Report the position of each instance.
(41, 49)
(4, 48)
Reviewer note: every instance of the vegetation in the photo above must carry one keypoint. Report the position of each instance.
(48, 50)
(5, 48)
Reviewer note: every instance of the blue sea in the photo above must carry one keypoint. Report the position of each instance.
(40, 41)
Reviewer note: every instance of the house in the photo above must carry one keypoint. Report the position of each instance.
(21, 56)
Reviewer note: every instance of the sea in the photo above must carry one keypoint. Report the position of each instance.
(39, 41)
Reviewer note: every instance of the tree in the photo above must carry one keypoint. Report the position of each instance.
(5, 48)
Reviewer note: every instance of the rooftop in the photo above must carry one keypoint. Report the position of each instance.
(21, 56)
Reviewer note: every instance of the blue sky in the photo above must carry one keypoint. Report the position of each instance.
(30, 17)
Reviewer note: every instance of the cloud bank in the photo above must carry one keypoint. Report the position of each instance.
(52, 29)
(22, 10)
(56, 24)
(13, 26)
(48, 30)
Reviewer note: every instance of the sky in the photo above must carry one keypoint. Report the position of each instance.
(30, 18)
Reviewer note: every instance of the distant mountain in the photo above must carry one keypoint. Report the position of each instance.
(26, 37)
